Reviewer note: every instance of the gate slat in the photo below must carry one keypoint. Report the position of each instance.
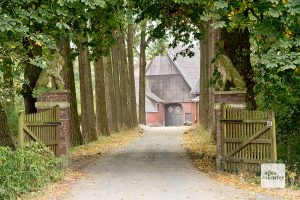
(41, 127)
(246, 138)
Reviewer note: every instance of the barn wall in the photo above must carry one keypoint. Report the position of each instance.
(190, 108)
(156, 118)
(170, 88)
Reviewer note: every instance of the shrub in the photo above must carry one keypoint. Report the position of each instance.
(27, 169)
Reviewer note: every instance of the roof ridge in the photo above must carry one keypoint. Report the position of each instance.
(179, 69)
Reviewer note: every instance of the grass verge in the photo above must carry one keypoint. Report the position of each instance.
(201, 149)
(81, 157)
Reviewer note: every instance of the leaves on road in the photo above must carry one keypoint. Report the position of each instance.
(201, 149)
(82, 156)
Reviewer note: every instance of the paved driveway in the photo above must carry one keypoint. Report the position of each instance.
(155, 167)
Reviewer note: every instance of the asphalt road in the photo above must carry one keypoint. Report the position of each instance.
(155, 167)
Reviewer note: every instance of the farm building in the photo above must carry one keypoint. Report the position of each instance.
(172, 89)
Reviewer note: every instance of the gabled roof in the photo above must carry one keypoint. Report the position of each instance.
(188, 67)
(152, 96)
(150, 106)
(196, 89)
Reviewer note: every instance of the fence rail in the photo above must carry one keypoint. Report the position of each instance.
(247, 138)
(43, 127)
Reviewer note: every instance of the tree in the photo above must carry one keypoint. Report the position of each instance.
(131, 73)
(110, 95)
(208, 49)
(116, 78)
(76, 137)
(126, 114)
(101, 114)
(142, 84)
(86, 93)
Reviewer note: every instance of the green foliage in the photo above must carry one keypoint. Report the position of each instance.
(27, 169)
(279, 91)
(157, 48)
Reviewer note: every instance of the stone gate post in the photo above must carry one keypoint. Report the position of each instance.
(60, 98)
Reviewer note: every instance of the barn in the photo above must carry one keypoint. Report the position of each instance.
(172, 89)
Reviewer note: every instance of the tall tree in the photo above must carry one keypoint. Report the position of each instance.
(208, 49)
(116, 78)
(131, 73)
(110, 95)
(76, 137)
(101, 114)
(142, 116)
(126, 114)
(86, 93)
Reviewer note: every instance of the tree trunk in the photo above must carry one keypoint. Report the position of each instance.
(116, 75)
(101, 114)
(237, 48)
(142, 115)
(123, 82)
(203, 100)
(76, 137)
(131, 74)
(208, 52)
(31, 74)
(111, 102)
(5, 135)
(86, 94)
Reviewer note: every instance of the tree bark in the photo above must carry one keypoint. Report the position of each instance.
(31, 74)
(209, 50)
(237, 48)
(5, 134)
(116, 75)
(76, 137)
(86, 94)
(131, 74)
(101, 114)
(142, 115)
(127, 116)
(110, 95)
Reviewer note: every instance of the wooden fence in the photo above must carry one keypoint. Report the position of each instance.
(247, 139)
(43, 127)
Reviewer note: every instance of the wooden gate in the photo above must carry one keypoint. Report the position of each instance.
(247, 140)
(43, 127)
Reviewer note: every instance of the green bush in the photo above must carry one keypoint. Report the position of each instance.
(27, 169)
(279, 91)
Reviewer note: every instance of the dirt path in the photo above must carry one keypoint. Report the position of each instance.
(154, 167)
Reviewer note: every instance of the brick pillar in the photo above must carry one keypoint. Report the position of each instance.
(60, 98)
(233, 98)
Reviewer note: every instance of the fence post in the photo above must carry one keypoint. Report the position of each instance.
(273, 132)
(218, 130)
(21, 131)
